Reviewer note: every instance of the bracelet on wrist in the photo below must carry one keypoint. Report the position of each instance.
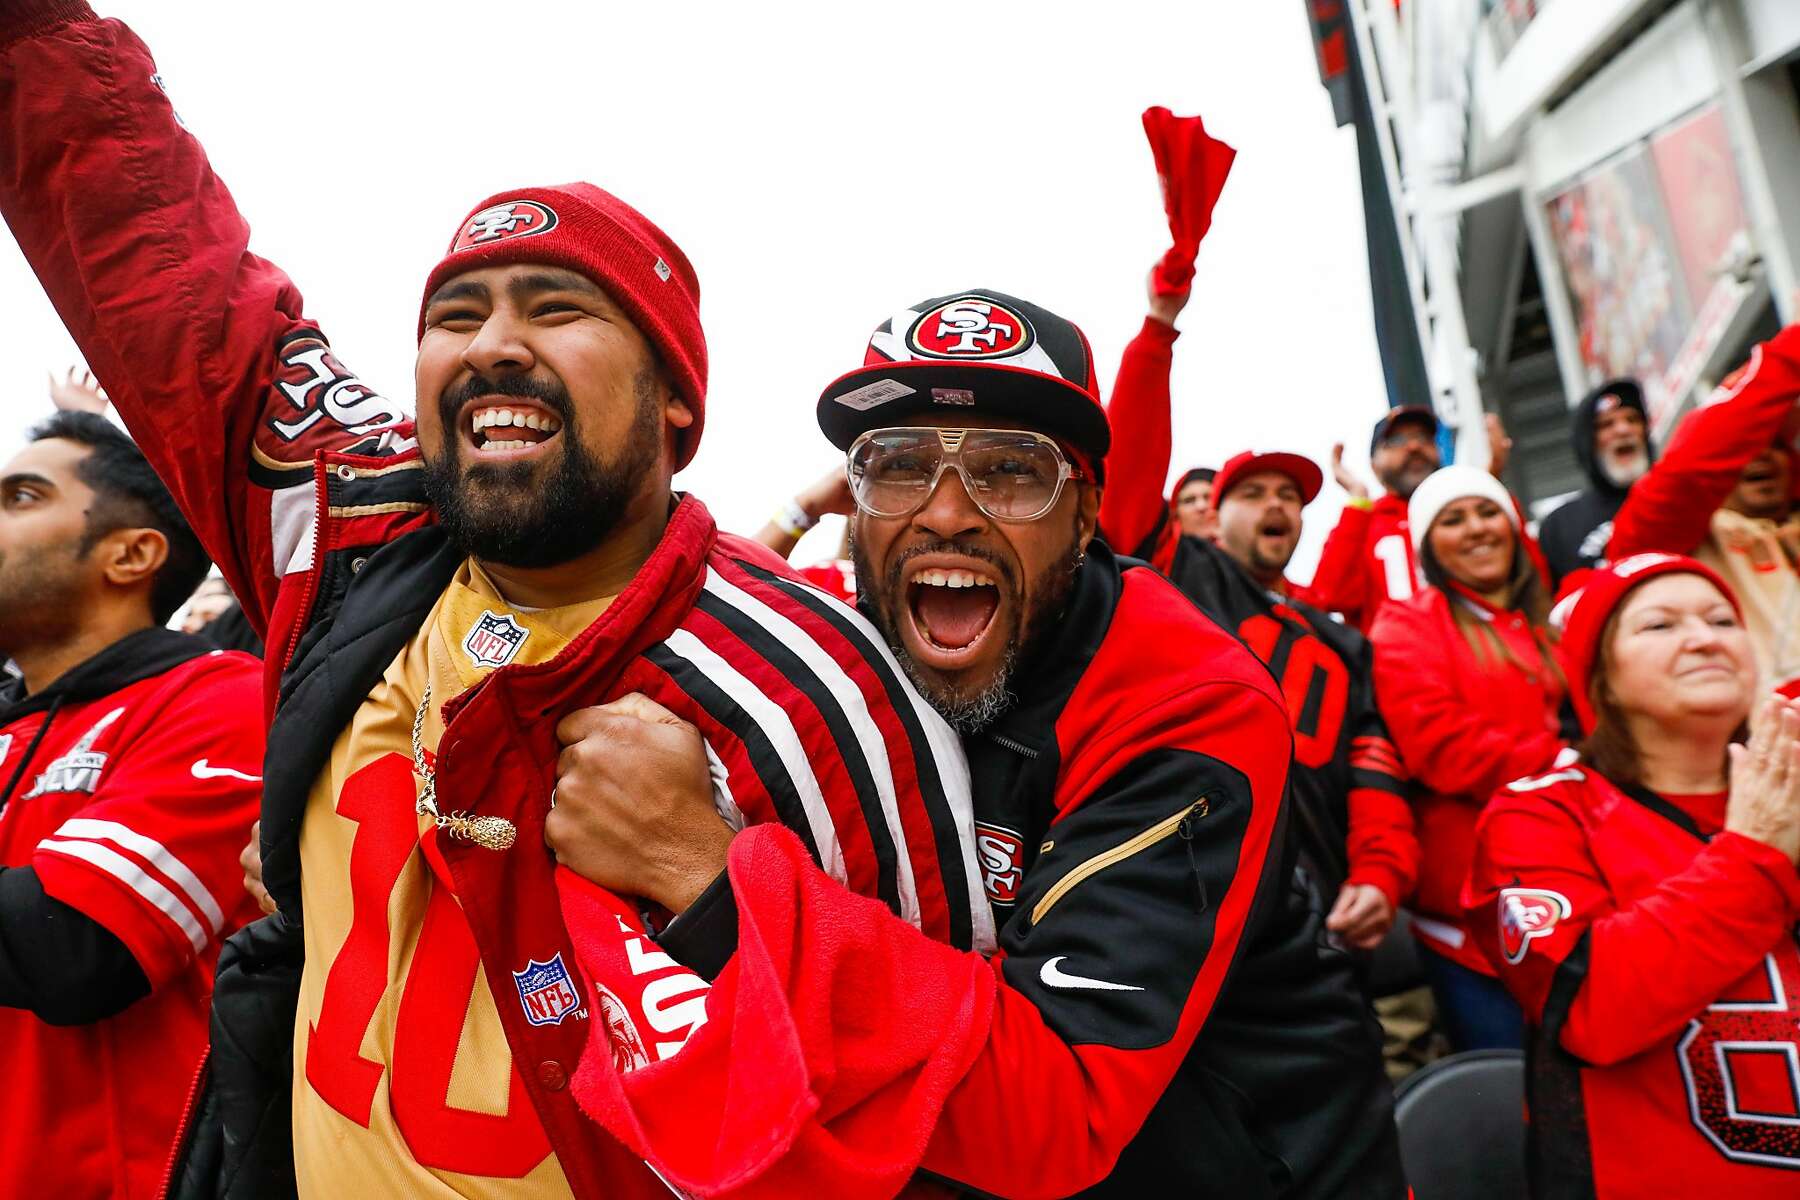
(793, 520)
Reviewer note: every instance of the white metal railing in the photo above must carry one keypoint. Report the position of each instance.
(1421, 142)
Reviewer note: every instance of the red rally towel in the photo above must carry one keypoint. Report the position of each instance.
(1192, 168)
(805, 1069)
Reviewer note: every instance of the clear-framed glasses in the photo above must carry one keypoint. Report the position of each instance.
(1011, 474)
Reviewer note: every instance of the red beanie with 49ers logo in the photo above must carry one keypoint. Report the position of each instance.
(589, 230)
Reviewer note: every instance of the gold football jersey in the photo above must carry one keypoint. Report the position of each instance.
(404, 1083)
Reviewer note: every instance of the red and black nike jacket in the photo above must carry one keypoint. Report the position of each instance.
(1657, 963)
(129, 785)
(1159, 1019)
(1351, 818)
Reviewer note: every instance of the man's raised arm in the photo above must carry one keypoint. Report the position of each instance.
(201, 345)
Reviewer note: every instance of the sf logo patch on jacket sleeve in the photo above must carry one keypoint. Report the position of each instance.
(1527, 914)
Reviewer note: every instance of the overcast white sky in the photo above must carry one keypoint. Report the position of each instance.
(822, 164)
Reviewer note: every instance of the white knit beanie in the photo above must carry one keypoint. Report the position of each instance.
(1448, 485)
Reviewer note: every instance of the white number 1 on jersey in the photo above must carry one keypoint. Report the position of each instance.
(1391, 550)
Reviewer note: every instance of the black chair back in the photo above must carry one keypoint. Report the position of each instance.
(1462, 1127)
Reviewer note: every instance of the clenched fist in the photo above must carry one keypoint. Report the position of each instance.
(633, 805)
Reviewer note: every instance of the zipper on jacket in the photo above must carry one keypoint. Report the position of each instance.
(1180, 825)
(186, 1127)
(1017, 747)
(1184, 829)
(310, 589)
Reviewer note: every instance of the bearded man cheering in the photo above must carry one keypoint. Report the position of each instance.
(1161, 1019)
(435, 599)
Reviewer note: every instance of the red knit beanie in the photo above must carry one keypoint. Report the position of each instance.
(581, 227)
(1584, 614)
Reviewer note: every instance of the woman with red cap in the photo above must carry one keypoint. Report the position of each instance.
(1470, 690)
(1641, 902)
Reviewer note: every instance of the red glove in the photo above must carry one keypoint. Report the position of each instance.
(1192, 168)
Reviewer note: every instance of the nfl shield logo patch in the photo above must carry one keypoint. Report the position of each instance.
(546, 992)
(5, 746)
(495, 639)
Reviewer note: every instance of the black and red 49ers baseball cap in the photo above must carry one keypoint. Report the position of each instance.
(974, 352)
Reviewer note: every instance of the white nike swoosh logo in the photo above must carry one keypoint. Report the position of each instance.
(1054, 976)
(204, 771)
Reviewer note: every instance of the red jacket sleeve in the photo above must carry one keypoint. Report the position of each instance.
(1338, 583)
(1611, 981)
(1670, 509)
(154, 856)
(1383, 842)
(843, 1049)
(1446, 740)
(201, 345)
(1138, 463)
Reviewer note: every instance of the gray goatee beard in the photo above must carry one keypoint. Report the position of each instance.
(1624, 474)
(965, 714)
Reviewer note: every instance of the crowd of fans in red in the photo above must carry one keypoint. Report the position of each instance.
(1044, 840)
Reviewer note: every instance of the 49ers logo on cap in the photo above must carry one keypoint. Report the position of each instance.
(1525, 914)
(970, 327)
(508, 219)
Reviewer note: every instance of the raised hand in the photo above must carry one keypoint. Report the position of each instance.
(1345, 477)
(828, 496)
(1165, 308)
(77, 395)
(1499, 445)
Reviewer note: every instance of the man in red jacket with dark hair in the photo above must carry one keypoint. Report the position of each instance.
(130, 764)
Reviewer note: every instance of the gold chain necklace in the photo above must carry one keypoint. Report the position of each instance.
(494, 833)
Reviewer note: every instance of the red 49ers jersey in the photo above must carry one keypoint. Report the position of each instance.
(1656, 959)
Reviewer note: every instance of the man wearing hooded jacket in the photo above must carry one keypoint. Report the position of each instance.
(1610, 433)
(436, 597)
(129, 764)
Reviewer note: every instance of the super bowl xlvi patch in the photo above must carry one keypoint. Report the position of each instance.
(546, 992)
(495, 639)
(78, 769)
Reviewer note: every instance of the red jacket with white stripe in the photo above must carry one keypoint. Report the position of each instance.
(130, 787)
(1466, 723)
(305, 487)
(1656, 959)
